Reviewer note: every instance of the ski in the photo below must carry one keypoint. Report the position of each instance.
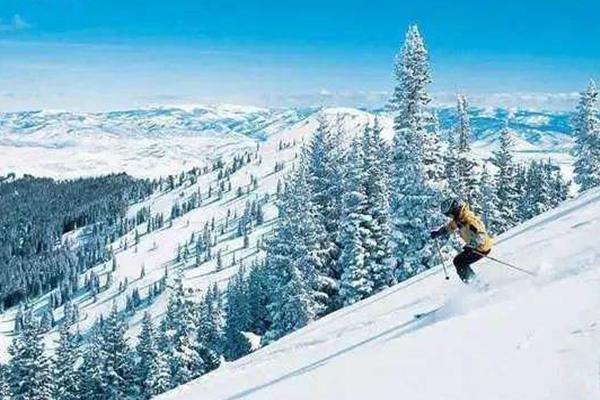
(426, 313)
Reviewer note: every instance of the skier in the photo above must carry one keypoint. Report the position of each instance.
(471, 230)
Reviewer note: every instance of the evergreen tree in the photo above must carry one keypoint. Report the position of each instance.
(323, 159)
(377, 191)
(162, 380)
(414, 201)
(206, 334)
(29, 369)
(117, 356)
(451, 164)
(179, 337)
(4, 387)
(534, 198)
(543, 188)
(292, 307)
(504, 182)
(293, 261)
(433, 154)
(488, 201)
(356, 283)
(237, 318)
(587, 140)
(18, 320)
(65, 375)
(559, 187)
(146, 370)
(92, 378)
(68, 314)
(210, 329)
(466, 174)
(365, 230)
(258, 299)
(519, 186)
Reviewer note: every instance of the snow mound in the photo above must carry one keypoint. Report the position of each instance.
(520, 338)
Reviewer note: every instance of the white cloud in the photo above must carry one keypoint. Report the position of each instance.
(16, 23)
(20, 23)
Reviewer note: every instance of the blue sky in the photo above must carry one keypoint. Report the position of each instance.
(92, 55)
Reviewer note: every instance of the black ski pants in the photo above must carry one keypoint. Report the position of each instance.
(463, 261)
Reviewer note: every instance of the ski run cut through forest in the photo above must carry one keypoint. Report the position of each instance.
(228, 252)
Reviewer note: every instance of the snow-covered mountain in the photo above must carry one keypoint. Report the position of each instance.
(547, 131)
(167, 140)
(523, 338)
(157, 141)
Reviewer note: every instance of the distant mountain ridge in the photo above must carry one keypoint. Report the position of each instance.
(156, 122)
(160, 140)
(546, 129)
(257, 122)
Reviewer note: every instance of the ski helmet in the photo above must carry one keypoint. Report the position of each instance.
(450, 206)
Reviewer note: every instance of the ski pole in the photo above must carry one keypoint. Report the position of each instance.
(437, 244)
(525, 271)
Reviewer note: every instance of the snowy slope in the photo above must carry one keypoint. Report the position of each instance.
(524, 338)
(157, 250)
(37, 149)
(165, 140)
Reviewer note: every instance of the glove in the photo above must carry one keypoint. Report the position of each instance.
(436, 234)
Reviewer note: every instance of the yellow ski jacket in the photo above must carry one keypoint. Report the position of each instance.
(471, 230)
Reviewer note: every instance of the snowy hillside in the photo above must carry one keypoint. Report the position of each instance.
(156, 251)
(523, 338)
(158, 141)
(158, 153)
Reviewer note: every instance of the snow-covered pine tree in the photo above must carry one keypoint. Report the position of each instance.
(18, 320)
(210, 330)
(258, 298)
(433, 154)
(488, 201)
(178, 336)
(586, 126)
(92, 372)
(545, 188)
(64, 373)
(293, 307)
(466, 165)
(559, 187)
(162, 380)
(504, 182)
(68, 314)
(29, 369)
(414, 201)
(536, 197)
(520, 189)
(451, 164)
(146, 369)
(356, 283)
(237, 318)
(323, 159)
(117, 369)
(377, 191)
(293, 261)
(4, 387)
